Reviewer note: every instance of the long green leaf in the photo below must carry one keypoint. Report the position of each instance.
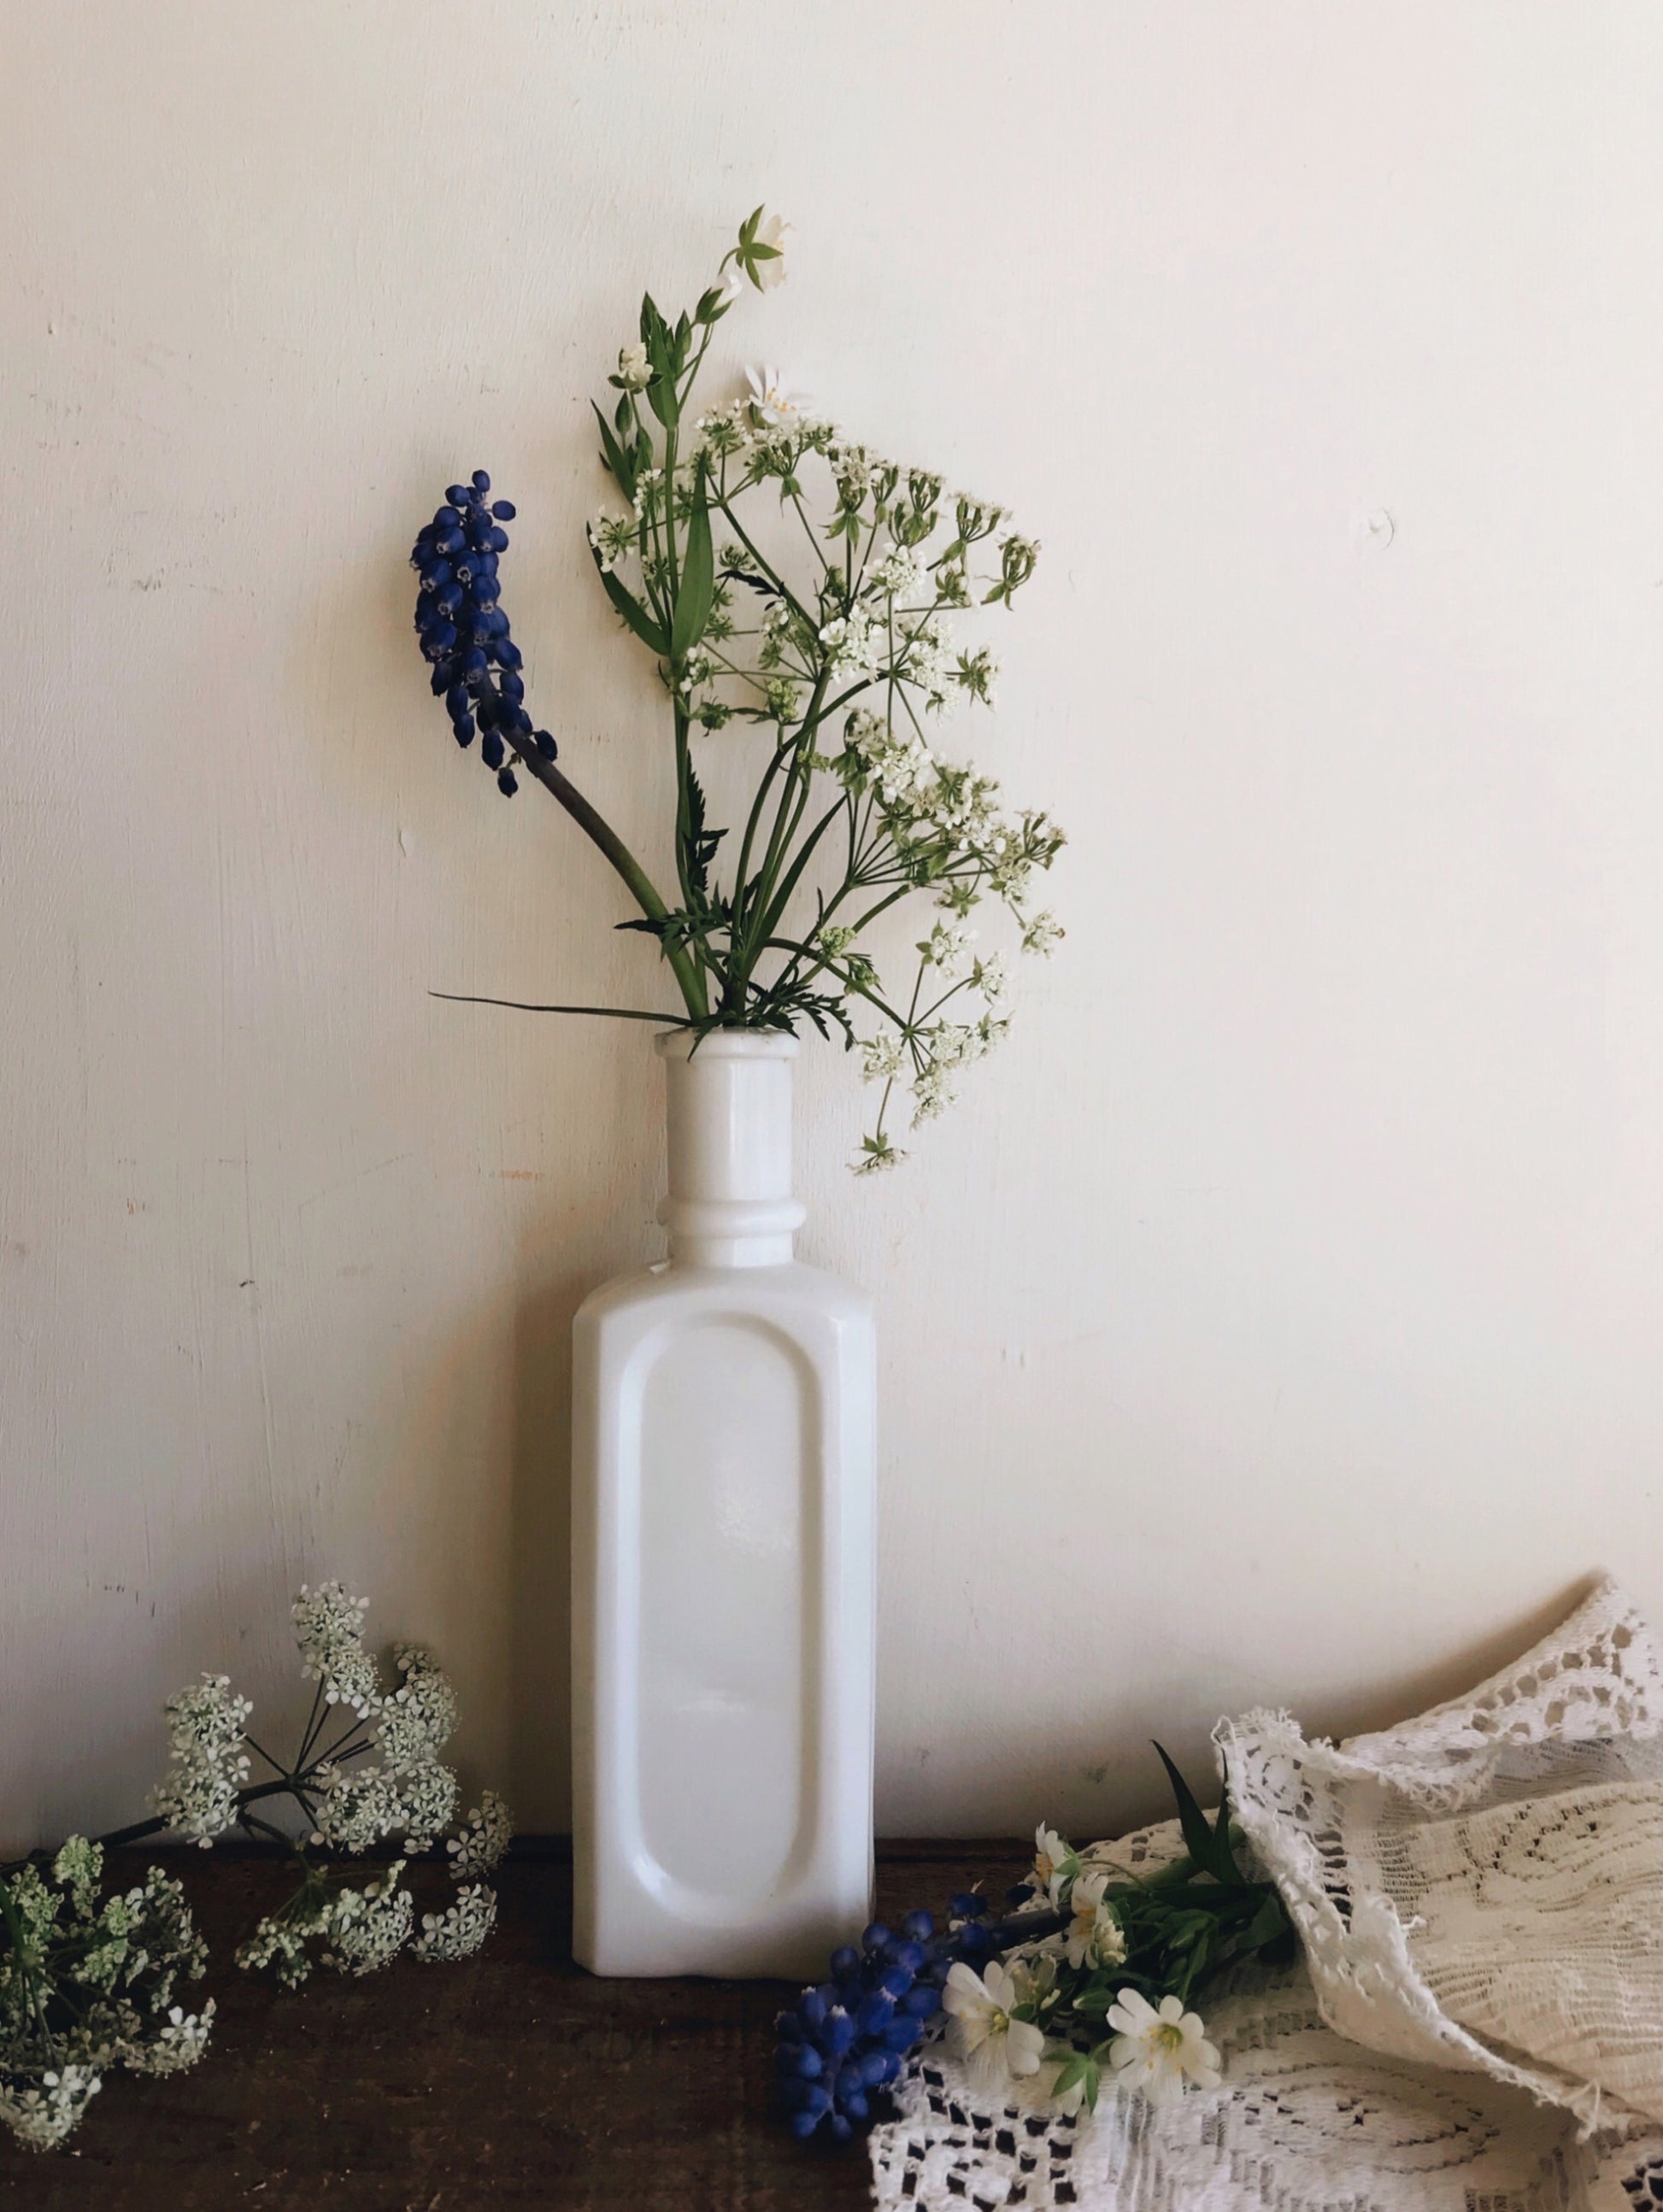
(616, 458)
(696, 590)
(649, 632)
(1210, 1851)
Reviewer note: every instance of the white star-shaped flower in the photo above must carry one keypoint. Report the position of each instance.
(1158, 2050)
(996, 2051)
(1093, 1936)
(774, 399)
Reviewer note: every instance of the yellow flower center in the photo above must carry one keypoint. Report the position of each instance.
(1169, 2036)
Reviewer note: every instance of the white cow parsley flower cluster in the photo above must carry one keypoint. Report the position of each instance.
(88, 1983)
(479, 1846)
(208, 1763)
(329, 1629)
(380, 1781)
(459, 1932)
(42, 2112)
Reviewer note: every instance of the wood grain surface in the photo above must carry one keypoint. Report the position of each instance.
(516, 2080)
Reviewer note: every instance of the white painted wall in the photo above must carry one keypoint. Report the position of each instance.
(1280, 1318)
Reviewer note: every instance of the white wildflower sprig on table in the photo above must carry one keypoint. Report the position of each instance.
(89, 1983)
(86, 1985)
(831, 656)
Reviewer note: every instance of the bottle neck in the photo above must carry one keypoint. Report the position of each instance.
(728, 1099)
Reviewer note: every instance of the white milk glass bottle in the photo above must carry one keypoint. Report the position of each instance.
(722, 1564)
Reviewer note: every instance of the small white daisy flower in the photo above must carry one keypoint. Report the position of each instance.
(995, 2050)
(1093, 1936)
(1159, 2049)
(772, 399)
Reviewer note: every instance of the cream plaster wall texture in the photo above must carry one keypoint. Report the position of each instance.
(1279, 1317)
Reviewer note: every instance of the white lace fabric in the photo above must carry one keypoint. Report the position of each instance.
(1477, 2022)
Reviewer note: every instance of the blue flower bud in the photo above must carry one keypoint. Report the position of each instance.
(446, 517)
(910, 1955)
(965, 1904)
(508, 783)
(481, 481)
(922, 2002)
(838, 2033)
(902, 2031)
(853, 2106)
(463, 729)
(508, 654)
(503, 509)
(875, 1937)
(918, 1927)
(839, 2128)
(876, 2015)
(807, 2062)
(458, 493)
(812, 2008)
(547, 747)
(514, 687)
(490, 751)
(875, 2067)
(895, 1982)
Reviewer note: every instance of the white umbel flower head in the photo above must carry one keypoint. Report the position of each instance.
(995, 2050)
(1158, 2049)
(484, 1839)
(329, 1629)
(41, 2115)
(1093, 1936)
(459, 1932)
(771, 397)
(207, 1764)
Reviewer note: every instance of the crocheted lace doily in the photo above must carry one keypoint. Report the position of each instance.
(1476, 2024)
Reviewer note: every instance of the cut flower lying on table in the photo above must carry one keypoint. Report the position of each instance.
(1089, 1947)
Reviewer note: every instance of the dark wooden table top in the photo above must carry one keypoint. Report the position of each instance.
(513, 2080)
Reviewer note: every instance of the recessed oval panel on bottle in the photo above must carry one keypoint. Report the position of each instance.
(729, 1555)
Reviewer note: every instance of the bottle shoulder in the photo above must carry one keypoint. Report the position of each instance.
(776, 1291)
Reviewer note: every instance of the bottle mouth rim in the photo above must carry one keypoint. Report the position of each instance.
(726, 1044)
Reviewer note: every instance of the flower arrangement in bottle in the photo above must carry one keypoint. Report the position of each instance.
(837, 663)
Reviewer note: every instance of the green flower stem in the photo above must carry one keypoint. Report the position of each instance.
(600, 832)
(776, 912)
(764, 567)
(742, 878)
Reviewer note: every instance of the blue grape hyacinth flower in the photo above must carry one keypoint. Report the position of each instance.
(845, 2038)
(464, 631)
